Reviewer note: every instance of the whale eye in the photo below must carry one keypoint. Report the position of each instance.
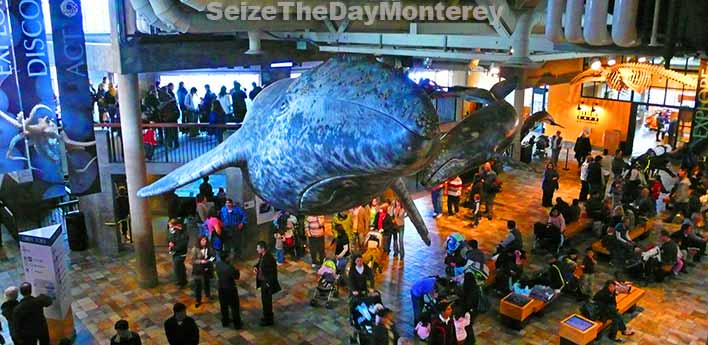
(284, 105)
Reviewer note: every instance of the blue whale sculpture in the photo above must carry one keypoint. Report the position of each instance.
(332, 139)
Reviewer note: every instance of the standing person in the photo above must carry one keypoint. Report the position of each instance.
(436, 196)
(618, 164)
(342, 249)
(360, 226)
(206, 104)
(399, 221)
(238, 100)
(149, 141)
(490, 188)
(588, 278)
(203, 258)
(182, 93)
(256, 90)
(181, 329)
(453, 190)
(220, 198)
(216, 232)
(228, 294)
(383, 222)
(226, 102)
(266, 272)
(556, 146)
(178, 245)
(7, 308)
(442, 328)
(385, 332)
(373, 210)
(123, 211)
(595, 177)
(234, 220)
(549, 185)
(361, 277)
(124, 336)
(582, 148)
(217, 116)
(606, 299)
(202, 207)
(344, 219)
(314, 230)
(680, 197)
(584, 186)
(28, 317)
(206, 189)
(191, 111)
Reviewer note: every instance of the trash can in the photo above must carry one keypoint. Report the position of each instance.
(76, 231)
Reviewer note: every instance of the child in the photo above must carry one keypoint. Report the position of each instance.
(373, 251)
(149, 142)
(587, 279)
(475, 207)
(462, 320)
(279, 252)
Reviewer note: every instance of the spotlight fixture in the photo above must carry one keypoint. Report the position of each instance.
(642, 59)
(596, 64)
(592, 110)
(611, 61)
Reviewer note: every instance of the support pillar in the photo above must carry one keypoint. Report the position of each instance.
(136, 176)
(519, 95)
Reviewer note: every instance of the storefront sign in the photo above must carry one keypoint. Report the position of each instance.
(43, 253)
(38, 99)
(13, 155)
(74, 97)
(700, 118)
(588, 116)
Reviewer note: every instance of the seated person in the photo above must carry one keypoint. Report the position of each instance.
(560, 277)
(607, 303)
(690, 242)
(556, 218)
(645, 206)
(619, 252)
(563, 207)
(622, 234)
(670, 253)
(574, 212)
(594, 207)
(548, 237)
(509, 269)
(513, 240)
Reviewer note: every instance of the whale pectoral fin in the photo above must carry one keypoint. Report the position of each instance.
(399, 187)
(472, 94)
(230, 153)
(539, 116)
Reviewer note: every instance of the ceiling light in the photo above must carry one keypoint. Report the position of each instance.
(611, 62)
(642, 59)
(596, 64)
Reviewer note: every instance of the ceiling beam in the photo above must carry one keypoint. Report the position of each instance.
(507, 22)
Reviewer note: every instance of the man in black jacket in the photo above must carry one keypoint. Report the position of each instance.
(228, 293)
(266, 272)
(181, 329)
(178, 245)
(28, 317)
(688, 239)
(607, 303)
(8, 307)
(594, 178)
(513, 240)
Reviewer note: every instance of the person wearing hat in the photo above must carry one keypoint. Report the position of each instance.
(442, 328)
(124, 336)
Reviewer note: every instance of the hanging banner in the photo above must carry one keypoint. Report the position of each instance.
(74, 96)
(699, 130)
(38, 100)
(13, 155)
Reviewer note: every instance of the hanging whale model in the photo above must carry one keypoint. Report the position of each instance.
(341, 134)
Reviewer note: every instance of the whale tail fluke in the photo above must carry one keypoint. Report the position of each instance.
(225, 155)
(399, 187)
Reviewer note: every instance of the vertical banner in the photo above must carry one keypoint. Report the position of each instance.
(74, 97)
(38, 99)
(13, 155)
(699, 129)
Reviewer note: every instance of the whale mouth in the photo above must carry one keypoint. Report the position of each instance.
(338, 192)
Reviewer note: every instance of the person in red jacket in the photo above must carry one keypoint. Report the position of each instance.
(149, 142)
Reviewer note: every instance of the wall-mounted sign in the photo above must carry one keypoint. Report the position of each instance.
(700, 118)
(588, 116)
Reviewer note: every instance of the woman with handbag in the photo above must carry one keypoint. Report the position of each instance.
(203, 258)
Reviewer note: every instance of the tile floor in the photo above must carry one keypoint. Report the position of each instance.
(105, 289)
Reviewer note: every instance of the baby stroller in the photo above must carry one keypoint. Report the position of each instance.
(372, 252)
(363, 313)
(327, 286)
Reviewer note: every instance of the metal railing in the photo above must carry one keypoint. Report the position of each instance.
(193, 140)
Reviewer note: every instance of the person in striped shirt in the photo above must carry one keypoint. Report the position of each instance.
(453, 190)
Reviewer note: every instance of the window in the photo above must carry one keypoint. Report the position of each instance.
(215, 80)
(95, 16)
(440, 77)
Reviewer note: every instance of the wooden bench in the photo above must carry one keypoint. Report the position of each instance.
(634, 234)
(517, 316)
(579, 330)
(577, 227)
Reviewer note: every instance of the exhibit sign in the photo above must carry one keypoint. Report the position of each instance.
(74, 96)
(13, 153)
(700, 118)
(265, 212)
(44, 253)
(40, 123)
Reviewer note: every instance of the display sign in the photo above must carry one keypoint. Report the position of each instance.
(41, 127)
(265, 212)
(74, 96)
(43, 253)
(13, 154)
(700, 118)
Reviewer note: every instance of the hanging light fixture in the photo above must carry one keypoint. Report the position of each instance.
(596, 64)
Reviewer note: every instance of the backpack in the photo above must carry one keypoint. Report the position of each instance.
(203, 230)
